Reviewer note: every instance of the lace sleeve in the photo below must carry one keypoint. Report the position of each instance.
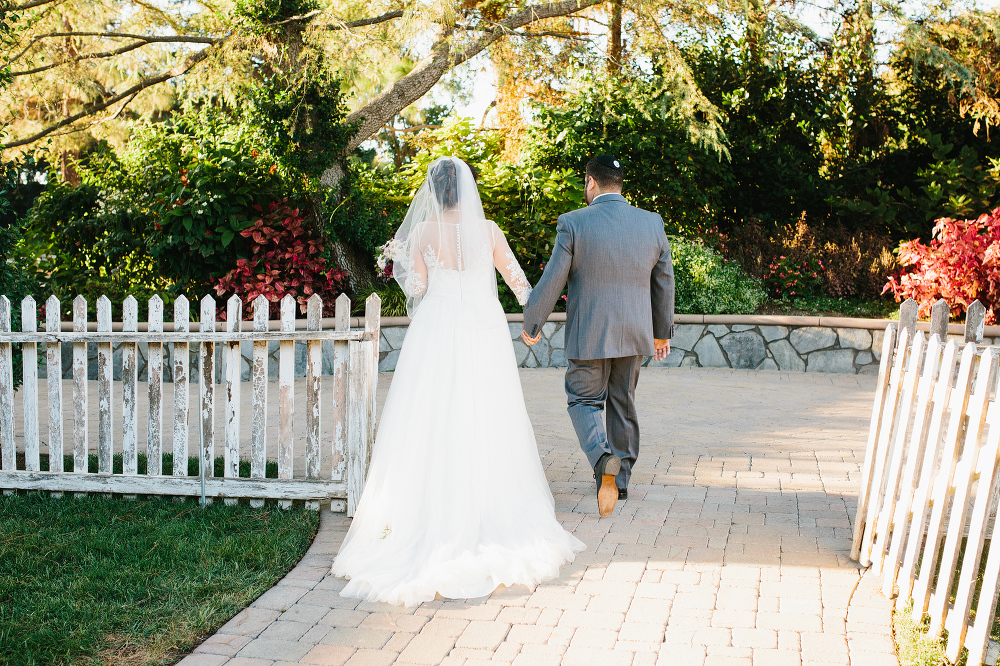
(415, 283)
(506, 263)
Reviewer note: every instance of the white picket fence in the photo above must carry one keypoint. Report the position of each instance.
(349, 400)
(931, 476)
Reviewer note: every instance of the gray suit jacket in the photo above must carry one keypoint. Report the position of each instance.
(616, 260)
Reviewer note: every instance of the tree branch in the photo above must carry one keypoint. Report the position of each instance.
(26, 5)
(411, 129)
(360, 23)
(175, 71)
(85, 56)
(408, 89)
(543, 33)
(146, 38)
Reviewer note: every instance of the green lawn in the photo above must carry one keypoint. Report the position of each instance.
(114, 581)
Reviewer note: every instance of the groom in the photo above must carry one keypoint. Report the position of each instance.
(620, 308)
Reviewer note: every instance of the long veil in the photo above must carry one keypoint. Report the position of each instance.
(444, 229)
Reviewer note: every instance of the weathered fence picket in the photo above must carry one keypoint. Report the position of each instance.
(6, 391)
(331, 469)
(258, 436)
(130, 388)
(182, 318)
(932, 470)
(81, 439)
(53, 374)
(29, 356)
(206, 389)
(105, 412)
(154, 376)
(233, 363)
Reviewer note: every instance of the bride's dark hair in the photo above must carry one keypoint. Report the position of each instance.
(444, 182)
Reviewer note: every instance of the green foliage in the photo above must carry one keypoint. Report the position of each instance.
(393, 300)
(15, 282)
(167, 211)
(204, 182)
(705, 283)
(77, 244)
(302, 118)
(371, 209)
(664, 171)
(145, 579)
(949, 185)
(256, 14)
(915, 647)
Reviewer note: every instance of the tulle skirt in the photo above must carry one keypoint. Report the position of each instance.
(456, 501)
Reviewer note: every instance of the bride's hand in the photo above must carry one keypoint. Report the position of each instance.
(529, 340)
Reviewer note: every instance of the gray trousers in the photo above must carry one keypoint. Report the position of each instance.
(591, 384)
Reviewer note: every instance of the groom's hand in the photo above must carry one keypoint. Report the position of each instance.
(662, 349)
(528, 340)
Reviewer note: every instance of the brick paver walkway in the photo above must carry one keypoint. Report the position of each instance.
(731, 549)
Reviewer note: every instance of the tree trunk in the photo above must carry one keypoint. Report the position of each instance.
(66, 169)
(615, 40)
(756, 19)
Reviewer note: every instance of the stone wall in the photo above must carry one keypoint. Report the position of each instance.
(743, 346)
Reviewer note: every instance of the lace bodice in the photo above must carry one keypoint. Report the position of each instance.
(441, 248)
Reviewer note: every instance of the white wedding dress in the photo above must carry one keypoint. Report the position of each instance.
(455, 502)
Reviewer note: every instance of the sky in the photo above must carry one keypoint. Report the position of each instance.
(484, 88)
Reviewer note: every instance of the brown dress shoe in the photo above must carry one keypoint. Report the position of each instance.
(607, 492)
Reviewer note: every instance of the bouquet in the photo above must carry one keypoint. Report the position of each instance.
(392, 251)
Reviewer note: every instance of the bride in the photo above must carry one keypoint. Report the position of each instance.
(456, 502)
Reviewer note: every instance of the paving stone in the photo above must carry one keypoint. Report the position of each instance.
(248, 661)
(427, 649)
(483, 635)
(364, 657)
(222, 644)
(339, 617)
(328, 655)
(203, 660)
(264, 648)
(444, 626)
(249, 622)
(286, 631)
(356, 637)
(585, 656)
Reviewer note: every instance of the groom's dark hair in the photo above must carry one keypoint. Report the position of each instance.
(606, 177)
(444, 180)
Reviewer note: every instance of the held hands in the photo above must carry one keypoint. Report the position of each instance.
(662, 349)
(528, 340)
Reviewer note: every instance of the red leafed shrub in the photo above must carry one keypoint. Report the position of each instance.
(959, 265)
(286, 258)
